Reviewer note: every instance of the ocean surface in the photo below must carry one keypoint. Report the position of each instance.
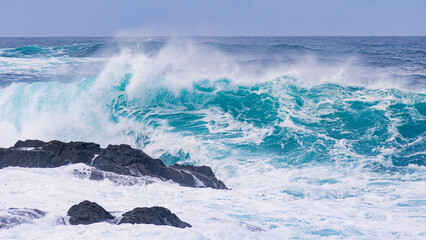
(317, 137)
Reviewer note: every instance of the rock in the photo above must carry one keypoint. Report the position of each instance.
(29, 144)
(88, 212)
(117, 179)
(251, 227)
(47, 155)
(96, 175)
(123, 159)
(73, 152)
(153, 215)
(15, 216)
(120, 159)
(22, 158)
(202, 176)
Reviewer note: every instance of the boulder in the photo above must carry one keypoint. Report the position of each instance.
(88, 212)
(153, 215)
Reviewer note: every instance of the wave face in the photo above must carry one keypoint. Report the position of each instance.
(329, 133)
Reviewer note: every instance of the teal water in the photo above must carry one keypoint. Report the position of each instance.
(295, 120)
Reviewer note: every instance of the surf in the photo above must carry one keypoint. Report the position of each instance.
(284, 128)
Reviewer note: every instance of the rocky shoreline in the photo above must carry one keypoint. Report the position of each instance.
(114, 159)
(120, 159)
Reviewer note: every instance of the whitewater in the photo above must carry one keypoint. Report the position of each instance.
(316, 137)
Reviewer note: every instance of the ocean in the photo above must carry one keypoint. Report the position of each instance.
(316, 137)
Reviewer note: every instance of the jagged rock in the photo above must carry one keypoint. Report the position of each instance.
(15, 216)
(125, 160)
(47, 155)
(153, 215)
(29, 144)
(88, 212)
(73, 152)
(202, 176)
(120, 159)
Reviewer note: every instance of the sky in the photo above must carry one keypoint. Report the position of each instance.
(212, 18)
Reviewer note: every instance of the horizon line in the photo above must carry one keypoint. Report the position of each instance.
(171, 36)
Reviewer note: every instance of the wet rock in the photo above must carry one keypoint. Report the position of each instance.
(73, 152)
(35, 153)
(120, 159)
(153, 215)
(123, 159)
(15, 216)
(88, 212)
(117, 179)
(96, 175)
(23, 158)
(202, 176)
(29, 144)
(251, 227)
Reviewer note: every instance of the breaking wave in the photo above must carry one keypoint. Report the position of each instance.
(287, 126)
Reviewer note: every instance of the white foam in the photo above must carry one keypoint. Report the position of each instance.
(283, 202)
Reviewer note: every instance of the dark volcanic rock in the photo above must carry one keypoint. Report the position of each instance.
(88, 212)
(153, 215)
(16, 216)
(22, 158)
(202, 176)
(123, 159)
(29, 144)
(47, 155)
(120, 159)
(73, 152)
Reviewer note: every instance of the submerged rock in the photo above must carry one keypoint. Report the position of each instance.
(15, 216)
(120, 159)
(153, 215)
(251, 227)
(88, 212)
(118, 179)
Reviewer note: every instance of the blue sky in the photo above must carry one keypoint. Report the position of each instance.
(212, 18)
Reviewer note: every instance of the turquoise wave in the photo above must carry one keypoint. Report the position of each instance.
(282, 120)
(303, 125)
